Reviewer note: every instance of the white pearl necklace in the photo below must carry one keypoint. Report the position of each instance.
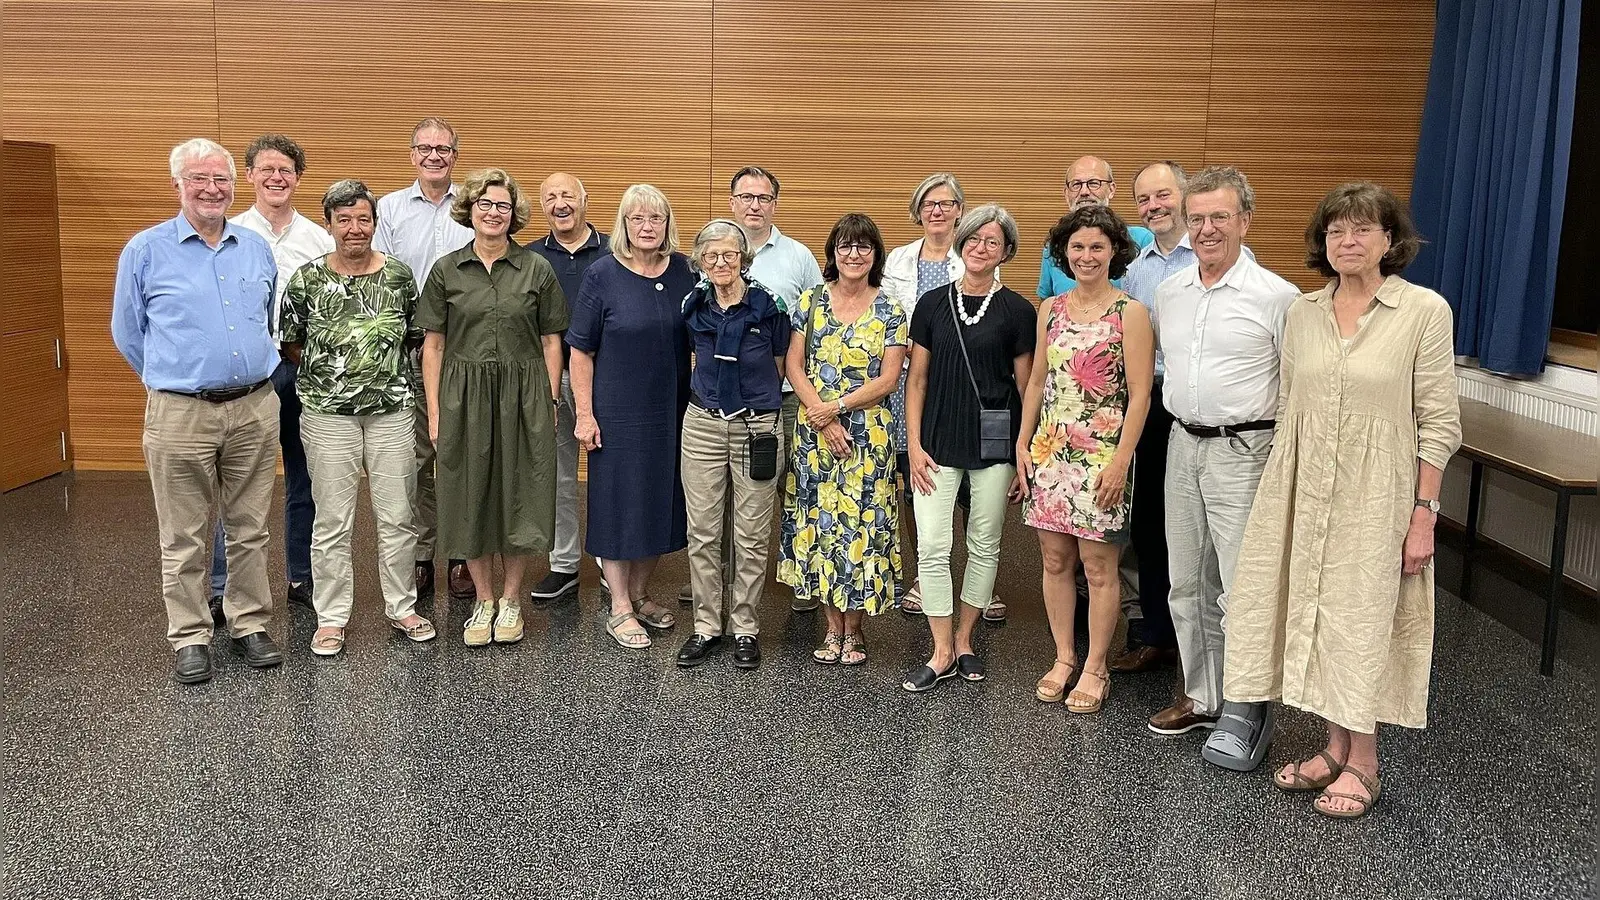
(975, 318)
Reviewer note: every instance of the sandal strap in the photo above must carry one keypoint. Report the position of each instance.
(1372, 783)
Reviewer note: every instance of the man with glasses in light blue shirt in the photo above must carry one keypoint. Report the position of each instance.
(786, 268)
(1088, 181)
(190, 312)
(415, 227)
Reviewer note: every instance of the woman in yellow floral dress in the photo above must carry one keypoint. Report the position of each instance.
(840, 539)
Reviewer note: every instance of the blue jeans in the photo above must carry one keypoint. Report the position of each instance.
(298, 509)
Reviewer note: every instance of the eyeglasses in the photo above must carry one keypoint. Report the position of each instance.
(637, 220)
(269, 172)
(945, 205)
(756, 199)
(853, 250)
(196, 180)
(712, 257)
(1092, 184)
(486, 205)
(1217, 219)
(1359, 232)
(985, 243)
(427, 150)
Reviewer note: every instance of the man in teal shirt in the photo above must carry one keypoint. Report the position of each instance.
(1088, 181)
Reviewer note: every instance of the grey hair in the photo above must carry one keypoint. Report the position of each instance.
(716, 230)
(1215, 178)
(196, 149)
(1178, 174)
(983, 215)
(437, 123)
(345, 193)
(937, 179)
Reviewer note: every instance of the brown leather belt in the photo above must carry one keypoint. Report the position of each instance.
(224, 395)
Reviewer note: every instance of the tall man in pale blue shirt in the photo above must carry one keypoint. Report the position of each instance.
(190, 314)
(782, 265)
(415, 227)
(273, 165)
(1088, 181)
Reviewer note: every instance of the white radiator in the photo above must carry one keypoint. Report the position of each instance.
(1517, 514)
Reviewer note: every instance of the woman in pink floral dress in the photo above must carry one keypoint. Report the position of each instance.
(1081, 416)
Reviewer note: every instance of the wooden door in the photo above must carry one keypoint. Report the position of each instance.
(33, 375)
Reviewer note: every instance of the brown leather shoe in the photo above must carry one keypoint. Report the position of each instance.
(1180, 718)
(461, 583)
(424, 578)
(1143, 658)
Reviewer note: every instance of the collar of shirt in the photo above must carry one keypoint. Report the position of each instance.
(516, 254)
(1154, 248)
(415, 193)
(230, 231)
(1232, 278)
(591, 243)
(256, 221)
(772, 238)
(1389, 292)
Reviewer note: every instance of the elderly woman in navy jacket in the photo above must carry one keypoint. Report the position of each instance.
(731, 440)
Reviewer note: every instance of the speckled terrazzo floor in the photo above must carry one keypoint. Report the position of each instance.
(566, 767)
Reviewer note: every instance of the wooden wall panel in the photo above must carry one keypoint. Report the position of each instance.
(114, 85)
(1335, 95)
(594, 89)
(851, 104)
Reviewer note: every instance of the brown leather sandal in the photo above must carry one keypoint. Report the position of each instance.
(1298, 782)
(1374, 788)
(1047, 691)
(1081, 703)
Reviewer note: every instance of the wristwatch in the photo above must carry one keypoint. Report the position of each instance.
(1430, 505)
(842, 408)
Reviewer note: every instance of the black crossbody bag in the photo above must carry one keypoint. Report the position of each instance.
(994, 425)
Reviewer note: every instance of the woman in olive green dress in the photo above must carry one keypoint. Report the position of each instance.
(494, 313)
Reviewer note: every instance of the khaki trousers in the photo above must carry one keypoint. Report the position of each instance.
(338, 448)
(714, 462)
(204, 456)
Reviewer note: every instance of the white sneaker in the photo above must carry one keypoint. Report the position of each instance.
(508, 625)
(479, 628)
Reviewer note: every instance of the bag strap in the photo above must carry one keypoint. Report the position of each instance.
(811, 317)
(955, 320)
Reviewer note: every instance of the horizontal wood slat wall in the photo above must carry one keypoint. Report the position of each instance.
(851, 105)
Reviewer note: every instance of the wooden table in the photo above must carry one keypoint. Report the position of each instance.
(1558, 459)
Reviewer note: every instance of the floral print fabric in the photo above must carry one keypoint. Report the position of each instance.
(1080, 424)
(840, 539)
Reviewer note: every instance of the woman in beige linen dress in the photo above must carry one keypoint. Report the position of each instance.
(1332, 601)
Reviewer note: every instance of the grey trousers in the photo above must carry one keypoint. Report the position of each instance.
(1211, 483)
(564, 554)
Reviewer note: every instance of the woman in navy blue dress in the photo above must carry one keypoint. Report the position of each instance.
(630, 380)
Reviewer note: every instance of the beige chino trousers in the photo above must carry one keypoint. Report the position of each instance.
(204, 456)
(338, 448)
(713, 464)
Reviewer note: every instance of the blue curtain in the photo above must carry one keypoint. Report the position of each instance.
(1491, 177)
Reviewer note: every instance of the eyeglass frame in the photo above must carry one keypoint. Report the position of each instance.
(1218, 219)
(756, 200)
(484, 204)
(427, 150)
(1093, 184)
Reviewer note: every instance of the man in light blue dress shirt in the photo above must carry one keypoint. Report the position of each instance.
(415, 227)
(783, 266)
(1088, 181)
(191, 313)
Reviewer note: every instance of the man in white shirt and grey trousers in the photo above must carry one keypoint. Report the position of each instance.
(1219, 324)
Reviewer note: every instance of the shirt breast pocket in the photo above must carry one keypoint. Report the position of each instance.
(256, 296)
